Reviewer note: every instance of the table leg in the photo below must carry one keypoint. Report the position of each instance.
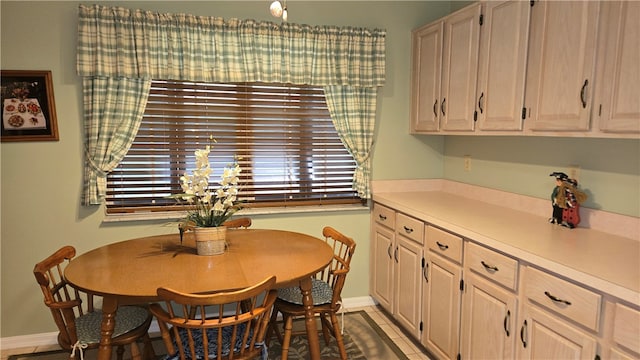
(310, 320)
(109, 307)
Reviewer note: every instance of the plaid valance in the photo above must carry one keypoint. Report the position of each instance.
(118, 42)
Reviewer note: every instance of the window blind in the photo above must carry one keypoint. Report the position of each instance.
(281, 134)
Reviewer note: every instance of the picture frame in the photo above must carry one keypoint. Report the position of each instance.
(28, 106)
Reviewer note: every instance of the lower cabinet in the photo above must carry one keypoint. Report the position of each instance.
(489, 304)
(464, 300)
(543, 335)
(441, 307)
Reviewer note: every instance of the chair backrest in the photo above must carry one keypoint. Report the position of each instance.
(231, 325)
(243, 222)
(336, 273)
(64, 301)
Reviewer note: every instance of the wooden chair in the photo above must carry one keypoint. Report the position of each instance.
(76, 316)
(243, 222)
(326, 292)
(216, 325)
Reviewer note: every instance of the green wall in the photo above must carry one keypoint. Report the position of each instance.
(42, 181)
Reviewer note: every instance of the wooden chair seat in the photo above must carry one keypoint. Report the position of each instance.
(77, 318)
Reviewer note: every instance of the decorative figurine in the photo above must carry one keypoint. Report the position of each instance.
(566, 199)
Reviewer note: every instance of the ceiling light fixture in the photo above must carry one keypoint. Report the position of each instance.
(278, 10)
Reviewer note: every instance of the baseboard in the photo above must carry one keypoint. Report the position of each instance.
(51, 338)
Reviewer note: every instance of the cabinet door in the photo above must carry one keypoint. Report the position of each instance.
(460, 68)
(441, 307)
(616, 102)
(543, 336)
(561, 64)
(425, 80)
(503, 61)
(408, 271)
(382, 275)
(488, 320)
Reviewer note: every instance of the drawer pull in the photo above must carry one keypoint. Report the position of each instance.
(507, 321)
(556, 299)
(408, 230)
(523, 334)
(489, 267)
(442, 247)
(382, 217)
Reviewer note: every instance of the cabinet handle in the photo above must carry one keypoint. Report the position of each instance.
(582, 93)
(507, 321)
(408, 230)
(480, 102)
(556, 299)
(395, 254)
(488, 267)
(442, 106)
(389, 250)
(435, 109)
(442, 247)
(424, 272)
(382, 217)
(523, 334)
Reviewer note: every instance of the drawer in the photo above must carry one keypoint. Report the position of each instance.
(410, 228)
(444, 243)
(626, 327)
(492, 265)
(573, 301)
(384, 215)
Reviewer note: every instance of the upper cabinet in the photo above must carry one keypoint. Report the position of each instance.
(460, 68)
(562, 54)
(503, 61)
(445, 65)
(617, 104)
(547, 68)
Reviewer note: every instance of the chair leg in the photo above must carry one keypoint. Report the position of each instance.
(273, 328)
(120, 352)
(288, 325)
(135, 351)
(338, 335)
(148, 353)
(325, 329)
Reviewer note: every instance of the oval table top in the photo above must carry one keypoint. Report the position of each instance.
(136, 268)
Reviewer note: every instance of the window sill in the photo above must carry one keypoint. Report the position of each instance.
(159, 215)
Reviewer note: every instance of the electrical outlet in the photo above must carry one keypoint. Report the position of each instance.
(467, 163)
(574, 172)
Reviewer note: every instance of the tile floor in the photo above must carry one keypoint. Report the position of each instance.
(409, 347)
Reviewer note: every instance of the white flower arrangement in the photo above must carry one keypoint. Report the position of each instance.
(208, 207)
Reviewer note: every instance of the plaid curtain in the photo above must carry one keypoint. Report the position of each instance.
(353, 112)
(115, 42)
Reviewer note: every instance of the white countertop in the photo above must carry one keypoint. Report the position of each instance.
(602, 261)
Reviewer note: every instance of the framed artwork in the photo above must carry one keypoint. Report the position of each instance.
(28, 106)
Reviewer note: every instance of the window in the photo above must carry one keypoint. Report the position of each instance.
(287, 146)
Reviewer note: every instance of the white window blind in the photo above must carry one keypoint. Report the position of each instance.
(283, 135)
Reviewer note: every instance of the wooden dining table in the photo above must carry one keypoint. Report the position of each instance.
(130, 272)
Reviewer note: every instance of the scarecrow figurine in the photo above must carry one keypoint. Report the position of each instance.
(566, 199)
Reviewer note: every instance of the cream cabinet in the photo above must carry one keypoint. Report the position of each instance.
(560, 74)
(617, 108)
(489, 304)
(408, 271)
(560, 319)
(382, 261)
(425, 79)
(441, 293)
(626, 331)
(502, 66)
(444, 72)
